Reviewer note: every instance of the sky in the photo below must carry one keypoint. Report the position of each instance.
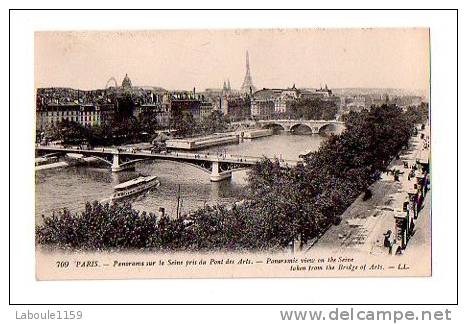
(279, 58)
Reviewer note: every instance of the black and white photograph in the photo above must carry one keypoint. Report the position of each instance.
(232, 153)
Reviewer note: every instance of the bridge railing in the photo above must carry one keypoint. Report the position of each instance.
(198, 156)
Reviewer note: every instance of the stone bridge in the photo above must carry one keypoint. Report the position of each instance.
(316, 126)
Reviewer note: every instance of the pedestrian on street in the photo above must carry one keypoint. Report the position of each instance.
(388, 241)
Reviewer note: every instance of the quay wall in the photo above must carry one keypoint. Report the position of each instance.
(201, 142)
(257, 133)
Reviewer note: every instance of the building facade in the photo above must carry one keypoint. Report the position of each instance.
(284, 98)
(263, 103)
(205, 110)
(157, 111)
(267, 103)
(236, 107)
(87, 115)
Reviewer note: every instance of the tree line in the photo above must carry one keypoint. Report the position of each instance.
(312, 108)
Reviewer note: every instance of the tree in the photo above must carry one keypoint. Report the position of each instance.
(312, 108)
(215, 122)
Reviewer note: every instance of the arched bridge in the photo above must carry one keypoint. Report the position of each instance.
(316, 126)
(218, 166)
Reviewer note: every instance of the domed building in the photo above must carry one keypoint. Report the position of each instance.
(126, 83)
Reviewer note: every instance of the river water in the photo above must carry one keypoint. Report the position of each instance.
(71, 187)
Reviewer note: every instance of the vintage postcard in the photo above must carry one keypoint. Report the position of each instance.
(232, 153)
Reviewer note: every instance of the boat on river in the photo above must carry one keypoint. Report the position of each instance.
(134, 186)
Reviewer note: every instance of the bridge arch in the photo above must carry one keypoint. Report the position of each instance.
(133, 161)
(100, 158)
(331, 127)
(274, 125)
(110, 162)
(203, 167)
(295, 126)
(207, 167)
(240, 169)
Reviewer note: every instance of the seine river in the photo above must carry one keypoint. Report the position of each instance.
(71, 187)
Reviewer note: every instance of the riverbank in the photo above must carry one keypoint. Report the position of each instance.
(64, 164)
(61, 164)
(217, 139)
(257, 133)
(365, 221)
(196, 143)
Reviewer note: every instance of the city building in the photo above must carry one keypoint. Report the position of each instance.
(279, 99)
(126, 83)
(324, 92)
(205, 109)
(216, 96)
(152, 103)
(153, 110)
(181, 102)
(84, 114)
(94, 107)
(236, 107)
(325, 95)
(178, 106)
(263, 103)
(283, 103)
(284, 99)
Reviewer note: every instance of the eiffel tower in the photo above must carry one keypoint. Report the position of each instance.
(247, 85)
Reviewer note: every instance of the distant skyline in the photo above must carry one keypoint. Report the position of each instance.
(183, 59)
